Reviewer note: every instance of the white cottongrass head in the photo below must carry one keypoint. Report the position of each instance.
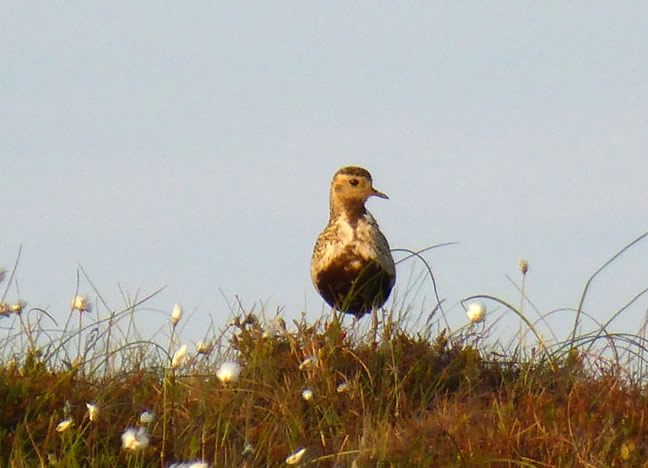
(307, 394)
(248, 449)
(146, 417)
(93, 411)
(64, 425)
(310, 361)
(81, 304)
(476, 312)
(229, 371)
(274, 327)
(135, 439)
(176, 314)
(343, 387)
(195, 464)
(295, 457)
(204, 348)
(179, 357)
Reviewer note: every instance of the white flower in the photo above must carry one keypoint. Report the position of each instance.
(343, 387)
(179, 356)
(80, 303)
(204, 348)
(307, 394)
(176, 315)
(228, 371)
(248, 449)
(146, 417)
(135, 439)
(64, 425)
(93, 411)
(476, 312)
(295, 457)
(274, 327)
(310, 361)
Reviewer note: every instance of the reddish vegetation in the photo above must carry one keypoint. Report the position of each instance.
(408, 402)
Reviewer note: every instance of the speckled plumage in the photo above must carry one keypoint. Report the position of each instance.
(352, 267)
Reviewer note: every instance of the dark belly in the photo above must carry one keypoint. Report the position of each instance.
(354, 290)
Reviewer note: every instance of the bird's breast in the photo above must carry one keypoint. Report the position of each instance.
(350, 245)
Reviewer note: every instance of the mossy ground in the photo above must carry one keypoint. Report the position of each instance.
(401, 400)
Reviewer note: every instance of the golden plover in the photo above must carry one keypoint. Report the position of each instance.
(352, 267)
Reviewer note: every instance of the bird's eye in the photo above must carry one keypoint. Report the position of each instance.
(354, 182)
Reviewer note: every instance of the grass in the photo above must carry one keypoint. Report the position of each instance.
(413, 397)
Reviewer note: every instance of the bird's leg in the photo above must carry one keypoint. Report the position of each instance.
(336, 318)
(374, 326)
(335, 314)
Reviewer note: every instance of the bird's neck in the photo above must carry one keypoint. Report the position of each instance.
(351, 210)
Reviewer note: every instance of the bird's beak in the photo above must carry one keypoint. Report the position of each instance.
(378, 193)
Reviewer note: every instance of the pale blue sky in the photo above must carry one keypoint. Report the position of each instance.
(192, 144)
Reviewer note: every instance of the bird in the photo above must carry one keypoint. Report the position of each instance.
(352, 267)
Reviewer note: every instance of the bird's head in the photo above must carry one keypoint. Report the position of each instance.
(353, 185)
